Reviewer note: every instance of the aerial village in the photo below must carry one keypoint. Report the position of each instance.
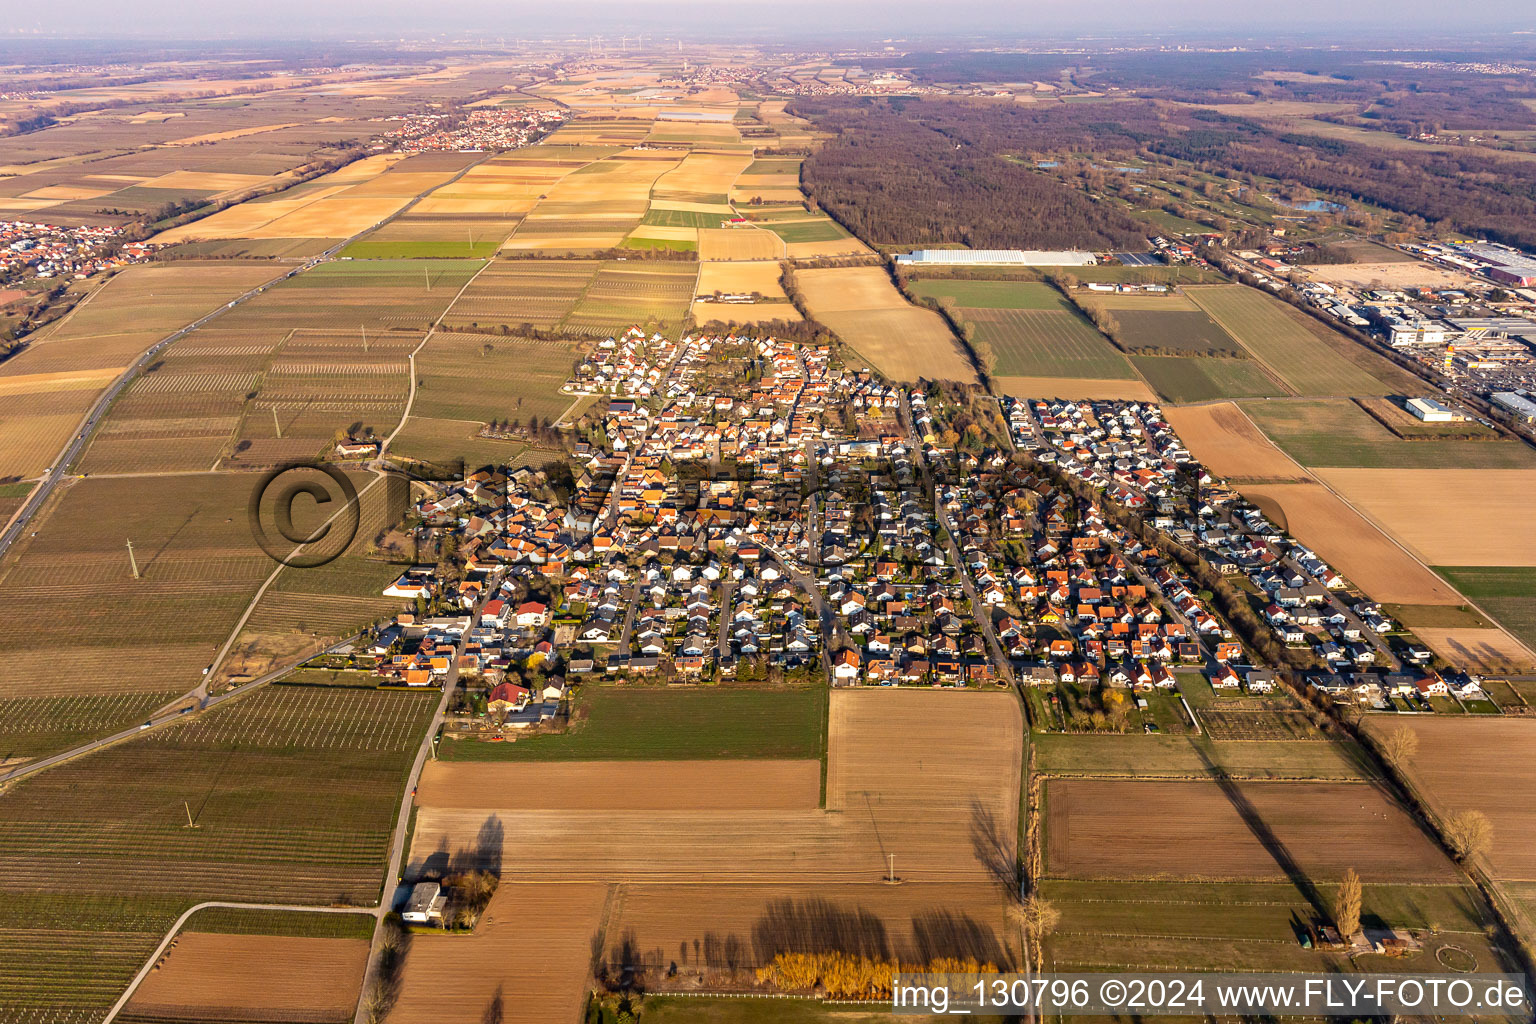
(748, 509)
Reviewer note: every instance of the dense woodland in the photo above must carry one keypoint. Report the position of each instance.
(926, 172)
(933, 173)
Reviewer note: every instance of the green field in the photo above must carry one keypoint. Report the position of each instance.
(232, 921)
(1508, 593)
(1033, 343)
(480, 377)
(292, 793)
(1338, 433)
(992, 294)
(253, 248)
(415, 249)
(1143, 756)
(1174, 330)
(684, 218)
(630, 723)
(822, 230)
(1310, 358)
(1199, 379)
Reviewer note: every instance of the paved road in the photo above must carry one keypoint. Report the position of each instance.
(403, 820)
(154, 957)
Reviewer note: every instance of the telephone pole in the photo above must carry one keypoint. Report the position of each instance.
(133, 562)
(276, 425)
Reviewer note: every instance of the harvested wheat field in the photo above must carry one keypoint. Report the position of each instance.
(739, 244)
(1477, 650)
(1479, 763)
(1250, 830)
(1368, 558)
(930, 777)
(526, 963)
(1229, 444)
(244, 977)
(724, 925)
(1074, 387)
(1448, 516)
(760, 276)
(864, 308)
(625, 785)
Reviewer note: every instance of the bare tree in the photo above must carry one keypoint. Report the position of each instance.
(1470, 834)
(1346, 905)
(1400, 746)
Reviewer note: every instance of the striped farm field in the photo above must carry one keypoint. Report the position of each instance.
(475, 377)
(31, 726)
(73, 619)
(1307, 356)
(628, 293)
(1200, 379)
(94, 874)
(1038, 343)
(512, 293)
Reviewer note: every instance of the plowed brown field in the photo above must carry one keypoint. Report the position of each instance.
(1250, 830)
(1229, 444)
(213, 977)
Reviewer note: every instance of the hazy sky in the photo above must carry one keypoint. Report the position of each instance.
(1362, 20)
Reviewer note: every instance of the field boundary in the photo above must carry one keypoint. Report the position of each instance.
(175, 929)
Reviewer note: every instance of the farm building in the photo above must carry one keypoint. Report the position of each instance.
(425, 904)
(999, 258)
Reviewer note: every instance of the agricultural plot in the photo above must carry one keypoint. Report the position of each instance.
(1246, 926)
(593, 207)
(774, 878)
(1129, 389)
(864, 308)
(31, 726)
(1174, 331)
(613, 723)
(1448, 516)
(1196, 379)
(769, 180)
(1228, 443)
(102, 868)
(761, 279)
(909, 797)
(560, 921)
(1176, 757)
(700, 175)
(48, 388)
(512, 293)
(475, 377)
(339, 205)
(1478, 763)
(244, 976)
(1339, 433)
(1251, 830)
(625, 293)
(739, 244)
(75, 621)
(1034, 343)
(726, 785)
(1308, 357)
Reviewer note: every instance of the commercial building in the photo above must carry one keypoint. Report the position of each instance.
(999, 258)
(1516, 403)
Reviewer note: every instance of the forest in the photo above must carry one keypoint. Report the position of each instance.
(935, 171)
